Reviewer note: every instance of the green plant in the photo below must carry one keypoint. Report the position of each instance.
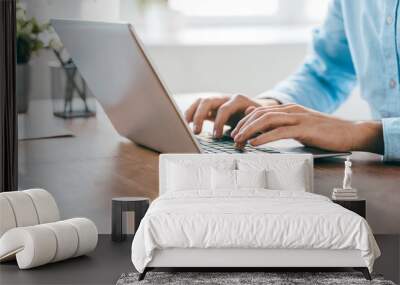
(28, 35)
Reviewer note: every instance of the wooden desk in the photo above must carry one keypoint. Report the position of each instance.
(84, 173)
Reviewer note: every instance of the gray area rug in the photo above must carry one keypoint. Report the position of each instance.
(268, 278)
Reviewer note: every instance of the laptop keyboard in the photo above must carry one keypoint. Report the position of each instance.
(226, 145)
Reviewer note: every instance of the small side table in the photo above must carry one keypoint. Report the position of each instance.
(357, 206)
(139, 205)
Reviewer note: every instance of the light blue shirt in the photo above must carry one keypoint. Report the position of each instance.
(359, 43)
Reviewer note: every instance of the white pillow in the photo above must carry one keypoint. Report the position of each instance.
(225, 179)
(194, 175)
(251, 178)
(182, 177)
(290, 175)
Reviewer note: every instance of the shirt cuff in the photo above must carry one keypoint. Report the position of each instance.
(283, 98)
(391, 139)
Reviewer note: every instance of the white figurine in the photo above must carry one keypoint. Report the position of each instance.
(347, 174)
(347, 192)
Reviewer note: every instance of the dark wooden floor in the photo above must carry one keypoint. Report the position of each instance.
(106, 264)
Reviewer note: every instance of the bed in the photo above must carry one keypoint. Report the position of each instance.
(247, 211)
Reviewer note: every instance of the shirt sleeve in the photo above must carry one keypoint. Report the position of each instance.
(327, 75)
(391, 139)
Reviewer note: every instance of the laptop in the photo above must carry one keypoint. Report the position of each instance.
(114, 64)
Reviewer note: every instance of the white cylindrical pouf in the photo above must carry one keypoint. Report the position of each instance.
(23, 208)
(67, 239)
(33, 246)
(31, 233)
(87, 233)
(46, 206)
(37, 245)
(7, 218)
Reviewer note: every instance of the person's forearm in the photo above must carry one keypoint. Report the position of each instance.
(368, 136)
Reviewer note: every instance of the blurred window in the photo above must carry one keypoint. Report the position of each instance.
(225, 8)
(280, 12)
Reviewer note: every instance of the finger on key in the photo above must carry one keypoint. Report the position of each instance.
(189, 114)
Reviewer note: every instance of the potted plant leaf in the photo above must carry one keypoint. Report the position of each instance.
(28, 43)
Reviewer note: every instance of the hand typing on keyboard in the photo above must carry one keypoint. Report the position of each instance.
(310, 127)
(223, 110)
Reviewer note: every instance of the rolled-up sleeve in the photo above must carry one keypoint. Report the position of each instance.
(391, 138)
(327, 76)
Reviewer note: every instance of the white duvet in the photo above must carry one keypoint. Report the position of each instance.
(250, 219)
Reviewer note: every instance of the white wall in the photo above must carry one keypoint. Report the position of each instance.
(233, 69)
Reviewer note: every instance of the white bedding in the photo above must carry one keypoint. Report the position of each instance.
(250, 219)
